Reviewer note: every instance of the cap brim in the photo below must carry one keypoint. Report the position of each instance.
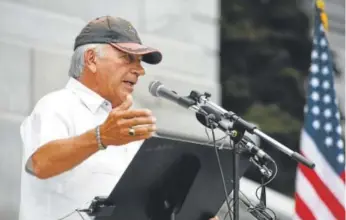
(150, 55)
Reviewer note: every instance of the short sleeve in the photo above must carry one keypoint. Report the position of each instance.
(41, 127)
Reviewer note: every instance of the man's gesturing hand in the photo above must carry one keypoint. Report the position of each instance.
(116, 129)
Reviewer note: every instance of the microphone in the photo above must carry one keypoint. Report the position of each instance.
(195, 101)
(250, 146)
(157, 89)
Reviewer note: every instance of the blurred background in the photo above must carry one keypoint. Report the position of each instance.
(253, 56)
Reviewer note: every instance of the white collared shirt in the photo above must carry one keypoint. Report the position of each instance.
(61, 114)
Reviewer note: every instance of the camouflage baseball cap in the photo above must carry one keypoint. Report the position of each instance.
(120, 34)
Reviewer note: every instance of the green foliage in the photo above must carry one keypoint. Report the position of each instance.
(272, 119)
(265, 58)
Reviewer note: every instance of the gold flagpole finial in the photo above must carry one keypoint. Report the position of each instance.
(324, 18)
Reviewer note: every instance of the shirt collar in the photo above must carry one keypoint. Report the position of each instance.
(90, 99)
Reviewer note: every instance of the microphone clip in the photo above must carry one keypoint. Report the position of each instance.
(198, 97)
(265, 171)
(236, 134)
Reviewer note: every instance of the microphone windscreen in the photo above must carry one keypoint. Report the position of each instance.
(154, 86)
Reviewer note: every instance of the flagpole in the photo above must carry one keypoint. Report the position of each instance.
(323, 15)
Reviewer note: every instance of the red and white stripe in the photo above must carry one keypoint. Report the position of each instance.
(320, 193)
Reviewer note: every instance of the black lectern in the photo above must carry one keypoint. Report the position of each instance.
(171, 179)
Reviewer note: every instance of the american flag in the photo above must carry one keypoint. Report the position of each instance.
(320, 193)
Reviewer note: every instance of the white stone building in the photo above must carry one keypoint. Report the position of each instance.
(36, 40)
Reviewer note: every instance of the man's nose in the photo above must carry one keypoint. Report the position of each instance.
(139, 70)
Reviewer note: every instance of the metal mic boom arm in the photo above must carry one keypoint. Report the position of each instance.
(203, 99)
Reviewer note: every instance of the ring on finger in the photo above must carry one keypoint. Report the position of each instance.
(132, 131)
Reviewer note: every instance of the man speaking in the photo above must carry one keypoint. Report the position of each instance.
(79, 140)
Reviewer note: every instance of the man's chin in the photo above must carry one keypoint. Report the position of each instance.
(124, 96)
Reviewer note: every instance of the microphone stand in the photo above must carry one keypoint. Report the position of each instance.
(203, 99)
(236, 132)
(236, 183)
(235, 136)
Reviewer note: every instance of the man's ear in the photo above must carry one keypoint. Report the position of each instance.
(90, 60)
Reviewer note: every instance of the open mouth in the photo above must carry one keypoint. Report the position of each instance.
(130, 83)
